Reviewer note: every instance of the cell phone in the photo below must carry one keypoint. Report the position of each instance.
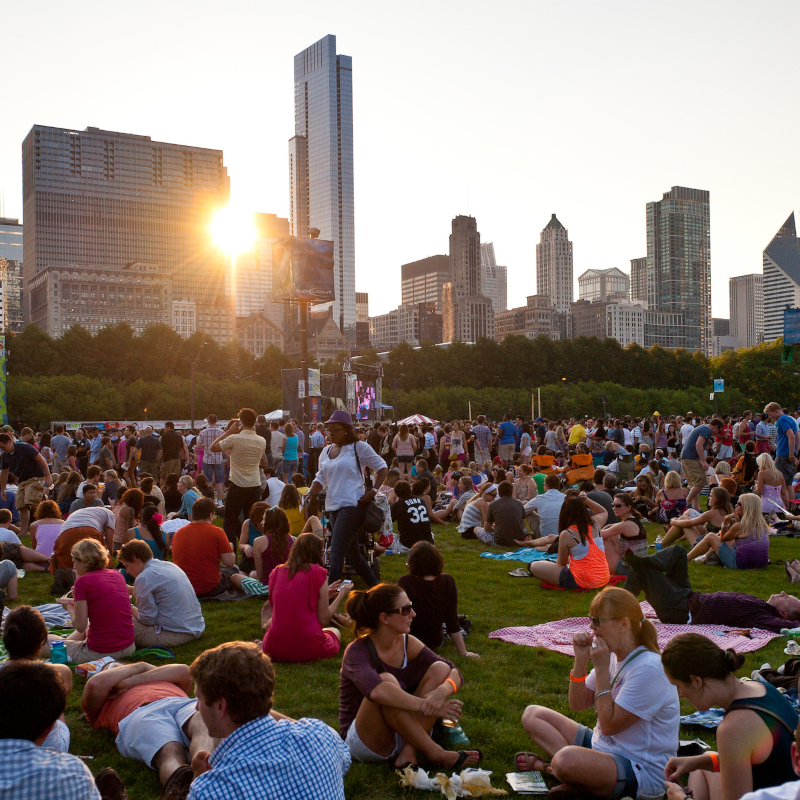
(345, 585)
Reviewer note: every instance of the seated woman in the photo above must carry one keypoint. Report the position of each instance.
(149, 531)
(525, 486)
(392, 688)
(252, 528)
(743, 542)
(202, 486)
(434, 596)
(172, 495)
(273, 547)
(149, 495)
(44, 531)
(303, 606)
(644, 495)
(474, 513)
(693, 526)
(638, 711)
(627, 534)
(722, 469)
(671, 499)
(544, 460)
(746, 469)
(771, 486)
(188, 495)
(755, 736)
(24, 635)
(67, 492)
(290, 502)
(580, 466)
(100, 610)
(581, 562)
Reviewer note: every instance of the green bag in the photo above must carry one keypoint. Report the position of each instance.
(449, 735)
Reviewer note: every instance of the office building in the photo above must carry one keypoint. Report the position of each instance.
(625, 322)
(722, 337)
(720, 327)
(139, 294)
(467, 314)
(604, 285)
(588, 319)
(430, 324)
(325, 340)
(747, 309)
(10, 239)
(665, 329)
(99, 200)
(11, 295)
(250, 282)
(257, 332)
(536, 318)
(554, 266)
(639, 279)
(218, 319)
(679, 262)
(362, 320)
(781, 262)
(413, 323)
(423, 281)
(321, 163)
(494, 278)
(184, 317)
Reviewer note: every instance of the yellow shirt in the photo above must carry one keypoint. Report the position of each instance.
(577, 434)
(296, 521)
(245, 450)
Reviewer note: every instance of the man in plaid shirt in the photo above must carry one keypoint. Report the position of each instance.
(213, 463)
(261, 754)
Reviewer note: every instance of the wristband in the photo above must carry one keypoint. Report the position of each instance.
(452, 683)
(714, 760)
(600, 694)
(573, 679)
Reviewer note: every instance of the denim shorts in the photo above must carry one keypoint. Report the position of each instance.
(566, 580)
(627, 785)
(727, 555)
(360, 752)
(215, 473)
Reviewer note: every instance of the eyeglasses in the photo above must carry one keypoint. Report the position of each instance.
(618, 505)
(404, 610)
(595, 622)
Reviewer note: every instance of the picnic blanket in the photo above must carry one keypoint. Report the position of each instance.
(55, 616)
(557, 635)
(711, 719)
(525, 554)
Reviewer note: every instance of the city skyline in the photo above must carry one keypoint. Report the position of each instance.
(620, 134)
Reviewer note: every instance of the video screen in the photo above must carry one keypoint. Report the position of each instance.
(365, 399)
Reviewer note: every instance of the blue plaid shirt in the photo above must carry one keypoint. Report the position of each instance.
(28, 772)
(265, 759)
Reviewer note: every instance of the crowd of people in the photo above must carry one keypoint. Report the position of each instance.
(138, 528)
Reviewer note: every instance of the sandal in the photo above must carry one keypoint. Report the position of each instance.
(341, 620)
(463, 755)
(540, 763)
(522, 572)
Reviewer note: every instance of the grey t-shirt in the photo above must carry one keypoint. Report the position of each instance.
(690, 444)
(508, 515)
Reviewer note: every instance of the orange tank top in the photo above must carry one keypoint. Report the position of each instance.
(591, 571)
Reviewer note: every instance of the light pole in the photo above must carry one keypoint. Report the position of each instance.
(194, 361)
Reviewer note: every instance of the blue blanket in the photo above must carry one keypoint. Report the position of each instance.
(524, 554)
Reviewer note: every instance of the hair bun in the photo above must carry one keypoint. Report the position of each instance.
(733, 659)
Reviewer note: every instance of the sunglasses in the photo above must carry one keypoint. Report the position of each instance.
(404, 610)
(595, 622)
(618, 505)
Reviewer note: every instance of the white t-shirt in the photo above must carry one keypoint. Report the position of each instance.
(786, 791)
(275, 491)
(276, 443)
(340, 477)
(98, 517)
(642, 688)
(9, 536)
(686, 429)
(628, 434)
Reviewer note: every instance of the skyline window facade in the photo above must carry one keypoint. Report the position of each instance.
(781, 264)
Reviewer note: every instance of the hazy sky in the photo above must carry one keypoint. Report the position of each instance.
(508, 111)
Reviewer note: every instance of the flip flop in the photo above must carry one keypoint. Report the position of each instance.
(542, 767)
(463, 755)
(522, 572)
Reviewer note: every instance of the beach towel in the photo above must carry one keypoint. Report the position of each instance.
(557, 635)
(612, 581)
(55, 616)
(524, 554)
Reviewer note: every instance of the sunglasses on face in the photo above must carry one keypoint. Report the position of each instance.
(595, 622)
(618, 505)
(404, 610)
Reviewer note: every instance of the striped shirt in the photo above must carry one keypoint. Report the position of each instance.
(205, 439)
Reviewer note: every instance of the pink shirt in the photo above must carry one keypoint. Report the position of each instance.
(109, 606)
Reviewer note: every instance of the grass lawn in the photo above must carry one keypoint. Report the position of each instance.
(498, 686)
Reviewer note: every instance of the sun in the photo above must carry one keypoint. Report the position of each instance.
(233, 231)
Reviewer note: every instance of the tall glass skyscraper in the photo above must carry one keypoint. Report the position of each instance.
(679, 262)
(781, 264)
(321, 163)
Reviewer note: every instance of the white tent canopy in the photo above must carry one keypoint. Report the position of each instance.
(277, 415)
(417, 419)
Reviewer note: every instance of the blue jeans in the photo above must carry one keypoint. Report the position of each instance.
(345, 523)
(215, 473)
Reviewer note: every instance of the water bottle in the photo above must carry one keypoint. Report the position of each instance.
(792, 633)
(58, 653)
(659, 539)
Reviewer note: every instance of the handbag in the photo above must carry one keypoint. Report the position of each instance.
(373, 515)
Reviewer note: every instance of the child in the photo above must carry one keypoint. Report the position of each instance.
(384, 499)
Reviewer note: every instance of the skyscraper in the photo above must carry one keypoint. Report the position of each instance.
(747, 309)
(467, 313)
(639, 279)
(423, 280)
(102, 200)
(679, 262)
(781, 261)
(321, 163)
(10, 239)
(554, 265)
(494, 278)
(604, 285)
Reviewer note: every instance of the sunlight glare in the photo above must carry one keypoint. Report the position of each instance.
(233, 231)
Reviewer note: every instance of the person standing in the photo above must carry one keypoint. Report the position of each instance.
(30, 467)
(277, 446)
(246, 451)
(786, 448)
(341, 474)
(173, 449)
(95, 444)
(59, 444)
(150, 448)
(693, 459)
(213, 462)
(506, 439)
(316, 443)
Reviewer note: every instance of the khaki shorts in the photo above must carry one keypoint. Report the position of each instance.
(695, 473)
(29, 493)
(506, 452)
(171, 467)
(146, 636)
(79, 652)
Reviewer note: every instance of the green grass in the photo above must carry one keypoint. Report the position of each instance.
(498, 686)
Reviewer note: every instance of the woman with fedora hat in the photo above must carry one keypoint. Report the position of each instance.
(341, 474)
